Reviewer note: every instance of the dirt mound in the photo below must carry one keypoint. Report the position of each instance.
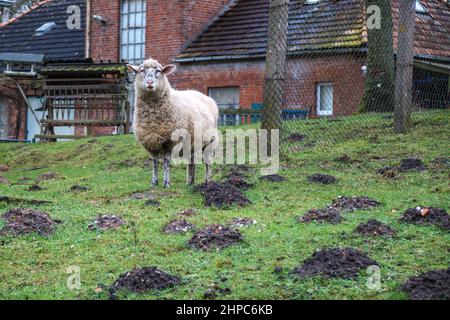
(49, 176)
(25, 221)
(432, 285)
(354, 203)
(425, 215)
(335, 263)
(374, 228)
(144, 279)
(242, 222)
(3, 180)
(35, 187)
(329, 215)
(106, 222)
(187, 213)
(273, 178)
(388, 172)
(344, 159)
(19, 201)
(441, 161)
(153, 203)
(221, 195)
(239, 182)
(78, 188)
(296, 137)
(321, 178)
(4, 168)
(178, 226)
(412, 164)
(215, 236)
(239, 171)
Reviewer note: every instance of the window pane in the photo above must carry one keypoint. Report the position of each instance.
(124, 6)
(132, 20)
(226, 98)
(139, 19)
(124, 34)
(133, 29)
(325, 99)
(132, 5)
(124, 21)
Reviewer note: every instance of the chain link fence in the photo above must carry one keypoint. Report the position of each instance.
(338, 70)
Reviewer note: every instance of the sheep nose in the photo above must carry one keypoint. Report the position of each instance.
(150, 82)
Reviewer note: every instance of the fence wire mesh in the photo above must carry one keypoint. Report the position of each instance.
(348, 69)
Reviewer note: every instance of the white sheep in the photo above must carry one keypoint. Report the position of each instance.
(160, 110)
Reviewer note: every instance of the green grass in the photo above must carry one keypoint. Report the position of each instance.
(34, 267)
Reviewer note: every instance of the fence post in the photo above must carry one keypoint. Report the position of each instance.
(405, 59)
(380, 81)
(275, 64)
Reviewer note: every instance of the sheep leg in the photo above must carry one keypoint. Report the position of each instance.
(208, 168)
(191, 172)
(155, 172)
(166, 172)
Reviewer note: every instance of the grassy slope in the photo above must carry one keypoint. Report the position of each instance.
(35, 267)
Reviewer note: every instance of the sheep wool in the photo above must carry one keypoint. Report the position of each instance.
(160, 110)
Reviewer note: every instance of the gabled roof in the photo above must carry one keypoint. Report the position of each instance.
(241, 32)
(59, 43)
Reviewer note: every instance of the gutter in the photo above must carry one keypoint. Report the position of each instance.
(263, 55)
(87, 37)
(220, 58)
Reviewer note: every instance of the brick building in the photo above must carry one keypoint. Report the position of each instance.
(327, 53)
(220, 46)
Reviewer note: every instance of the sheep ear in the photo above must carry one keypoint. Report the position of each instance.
(170, 68)
(132, 68)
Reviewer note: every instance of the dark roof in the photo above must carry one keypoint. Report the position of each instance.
(60, 43)
(328, 25)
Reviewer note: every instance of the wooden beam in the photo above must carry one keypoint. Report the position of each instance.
(24, 96)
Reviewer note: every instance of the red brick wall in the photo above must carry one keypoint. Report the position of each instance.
(170, 25)
(12, 100)
(248, 76)
(344, 72)
(105, 40)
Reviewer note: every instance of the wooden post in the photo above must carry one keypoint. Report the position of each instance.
(380, 81)
(275, 64)
(405, 59)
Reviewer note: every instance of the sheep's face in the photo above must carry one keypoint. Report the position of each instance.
(151, 77)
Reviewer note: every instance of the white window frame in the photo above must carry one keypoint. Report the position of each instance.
(318, 93)
(236, 105)
(4, 119)
(225, 119)
(132, 30)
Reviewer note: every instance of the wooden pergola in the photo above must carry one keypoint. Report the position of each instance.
(83, 95)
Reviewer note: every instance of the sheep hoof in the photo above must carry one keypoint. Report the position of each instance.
(154, 183)
(166, 185)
